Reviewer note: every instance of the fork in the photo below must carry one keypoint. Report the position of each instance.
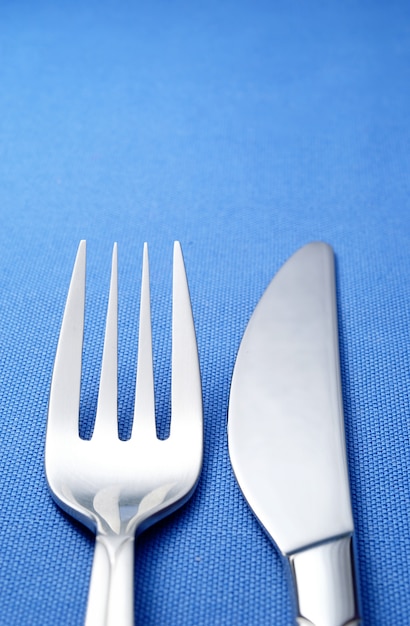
(118, 488)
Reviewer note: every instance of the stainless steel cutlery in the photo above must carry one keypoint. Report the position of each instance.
(285, 431)
(116, 487)
(286, 435)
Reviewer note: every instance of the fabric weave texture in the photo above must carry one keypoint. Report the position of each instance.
(244, 130)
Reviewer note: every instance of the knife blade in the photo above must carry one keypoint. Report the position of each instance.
(286, 435)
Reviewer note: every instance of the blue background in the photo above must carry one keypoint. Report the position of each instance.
(245, 130)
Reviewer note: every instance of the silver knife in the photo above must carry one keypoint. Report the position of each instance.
(286, 435)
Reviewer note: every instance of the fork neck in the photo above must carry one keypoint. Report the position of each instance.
(111, 593)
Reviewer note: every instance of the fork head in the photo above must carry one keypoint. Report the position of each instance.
(120, 487)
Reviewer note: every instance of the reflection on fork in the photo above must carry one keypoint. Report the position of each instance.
(117, 488)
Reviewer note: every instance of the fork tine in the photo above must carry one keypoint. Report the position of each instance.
(144, 411)
(64, 400)
(106, 423)
(186, 394)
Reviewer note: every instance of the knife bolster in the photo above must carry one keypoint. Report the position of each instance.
(325, 584)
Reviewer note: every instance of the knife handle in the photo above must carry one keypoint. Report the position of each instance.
(325, 584)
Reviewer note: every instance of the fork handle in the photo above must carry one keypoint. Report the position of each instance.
(111, 593)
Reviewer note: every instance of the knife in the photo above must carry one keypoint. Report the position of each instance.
(286, 435)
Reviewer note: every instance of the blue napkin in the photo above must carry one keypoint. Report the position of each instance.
(244, 130)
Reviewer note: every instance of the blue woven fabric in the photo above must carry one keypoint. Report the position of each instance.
(245, 130)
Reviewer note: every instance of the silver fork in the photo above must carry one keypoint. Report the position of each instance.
(117, 488)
